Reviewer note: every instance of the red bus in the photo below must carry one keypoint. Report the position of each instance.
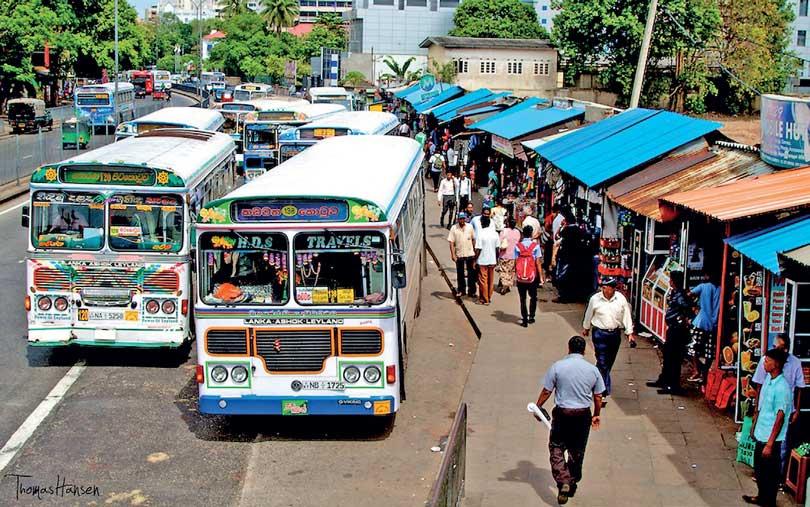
(143, 82)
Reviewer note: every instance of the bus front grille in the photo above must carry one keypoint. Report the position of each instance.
(51, 279)
(106, 278)
(226, 341)
(164, 281)
(360, 341)
(302, 350)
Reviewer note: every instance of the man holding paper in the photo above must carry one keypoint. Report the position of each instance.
(577, 384)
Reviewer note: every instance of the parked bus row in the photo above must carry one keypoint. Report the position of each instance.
(300, 301)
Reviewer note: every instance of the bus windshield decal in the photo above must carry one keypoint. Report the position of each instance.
(67, 220)
(291, 211)
(89, 175)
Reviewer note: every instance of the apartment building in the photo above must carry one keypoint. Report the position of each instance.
(800, 43)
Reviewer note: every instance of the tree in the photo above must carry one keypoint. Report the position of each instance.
(444, 72)
(279, 14)
(753, 45)
(604, 37)
(353, 79)
(398, 71)
(500, 19)
(328, 32)
(230, 8)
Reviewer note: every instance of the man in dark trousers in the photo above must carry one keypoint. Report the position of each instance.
(577, 384)
(769, 428)
(677, 318)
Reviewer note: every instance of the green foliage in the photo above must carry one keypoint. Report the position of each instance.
(444, 72)
(279, 14)
(232, 8)
(328, 32)
(353, 78)
(502, 19)
(398, 71)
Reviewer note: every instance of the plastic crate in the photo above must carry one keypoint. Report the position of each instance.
(745, 451)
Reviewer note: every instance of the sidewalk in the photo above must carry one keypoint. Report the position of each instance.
(652, 450)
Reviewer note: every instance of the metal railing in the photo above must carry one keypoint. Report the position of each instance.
(448, 488)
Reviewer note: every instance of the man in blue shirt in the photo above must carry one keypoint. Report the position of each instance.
(704, 327)
(769, 428)
(576, 384)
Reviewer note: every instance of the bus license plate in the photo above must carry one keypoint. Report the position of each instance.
(322, 385)
(103, 315)
(324, 133)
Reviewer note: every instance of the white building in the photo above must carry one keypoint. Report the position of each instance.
(800, 43)
(185, 10)
(545, 14)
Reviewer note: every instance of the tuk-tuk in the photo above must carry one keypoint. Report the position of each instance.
(160, 93)
(76, 131)
(28, 115)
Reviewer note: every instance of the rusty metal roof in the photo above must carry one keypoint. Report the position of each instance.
(800, 255)
(696, 169)
(767, 193)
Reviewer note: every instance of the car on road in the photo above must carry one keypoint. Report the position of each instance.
(75, 131)
(222, 96)
(28, 115)
(161, 94)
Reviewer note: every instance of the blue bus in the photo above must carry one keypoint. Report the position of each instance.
(99, 105)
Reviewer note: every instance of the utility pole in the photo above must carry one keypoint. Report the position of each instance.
(642, 56)
(115, 74)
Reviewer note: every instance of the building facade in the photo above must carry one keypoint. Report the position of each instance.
(545, 14)
(800, 42)
(525, 67)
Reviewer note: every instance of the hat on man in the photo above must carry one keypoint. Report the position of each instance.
(608, 281)
(462, 215)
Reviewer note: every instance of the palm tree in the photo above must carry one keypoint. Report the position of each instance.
(444, 72)
(279, 14)
(230, 8)
(398, 71)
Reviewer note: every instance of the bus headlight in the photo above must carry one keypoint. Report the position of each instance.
(372, 374)
(168, 307)
(219, 374)
(351, 374)
(44, 304)
(239, 374)
(60, 304)
(152, 306)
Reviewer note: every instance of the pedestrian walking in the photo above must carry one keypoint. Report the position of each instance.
(404, 129)
(576, 384)
(704, 326)
(509, 237)
(452, 159)
(476, 220)
(436, 167)
(447, 196)
(528, 273)
(462, 251)
(486, 256)
(677, 337)
(769, 428)
(499, 216)
(530, 220)
(608, 313)
(464, 190)
(794, 376)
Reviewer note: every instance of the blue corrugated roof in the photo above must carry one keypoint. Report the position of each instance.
(465, 100)
(763, 245)
(414, 97)
(606, 149)
(454, 113)
(449, 92)
(407, 91)
(512, 123)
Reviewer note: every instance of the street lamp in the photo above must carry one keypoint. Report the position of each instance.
(115, 73)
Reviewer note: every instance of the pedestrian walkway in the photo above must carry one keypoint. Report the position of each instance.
(652, 450)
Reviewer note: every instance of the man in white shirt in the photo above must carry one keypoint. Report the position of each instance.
(532, 222)
(436, 167)
(608, 313)
(486, 256)
(476, 221)
(462, 251)
(448, 190)
(452, 159)
(464, 190)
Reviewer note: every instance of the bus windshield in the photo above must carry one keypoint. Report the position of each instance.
(67, 220)
(146, 222)
(334, 99)
(242, 95)
(93, 99)
(260, 137)
(340, 268)
(248, 268)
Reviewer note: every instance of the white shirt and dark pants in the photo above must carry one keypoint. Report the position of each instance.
(574, 382)
(448, 194)
(486, 243)
(606, 318)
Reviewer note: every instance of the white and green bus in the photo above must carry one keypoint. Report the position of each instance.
(302, 304)
(350, 123)
(109, 250)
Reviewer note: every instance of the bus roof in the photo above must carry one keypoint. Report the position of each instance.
(184, 153)
(360, 122)
(328, 90)
(254, 87)
(106, 87)
(375, 170)
(305, 112)
(187, 117)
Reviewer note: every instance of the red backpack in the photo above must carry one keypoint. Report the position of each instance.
(525, 266)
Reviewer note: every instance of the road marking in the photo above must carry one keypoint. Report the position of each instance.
(27, 156)
(16, 206)
(29, 426)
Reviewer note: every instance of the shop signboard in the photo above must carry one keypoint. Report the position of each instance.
(730, 302)
(751, 330)
(654, 289)
(785, 124)
(502, 145)
(777, 309)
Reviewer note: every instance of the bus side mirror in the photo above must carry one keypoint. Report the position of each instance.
(398, 273)
(25, 216)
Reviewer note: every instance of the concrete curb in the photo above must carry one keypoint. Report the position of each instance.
(459, 300)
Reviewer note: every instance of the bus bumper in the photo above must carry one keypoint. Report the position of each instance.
(291, 405)
(144, 338)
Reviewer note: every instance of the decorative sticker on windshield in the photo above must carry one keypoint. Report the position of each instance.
(291, 211)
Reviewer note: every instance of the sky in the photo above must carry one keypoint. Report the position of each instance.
(141, 5)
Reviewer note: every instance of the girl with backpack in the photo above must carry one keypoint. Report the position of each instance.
(528, 274)
(506, 256)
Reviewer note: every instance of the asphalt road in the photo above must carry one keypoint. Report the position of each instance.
(21, 154)
(129, 424)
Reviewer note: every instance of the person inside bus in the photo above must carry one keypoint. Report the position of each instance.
(68, 221)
